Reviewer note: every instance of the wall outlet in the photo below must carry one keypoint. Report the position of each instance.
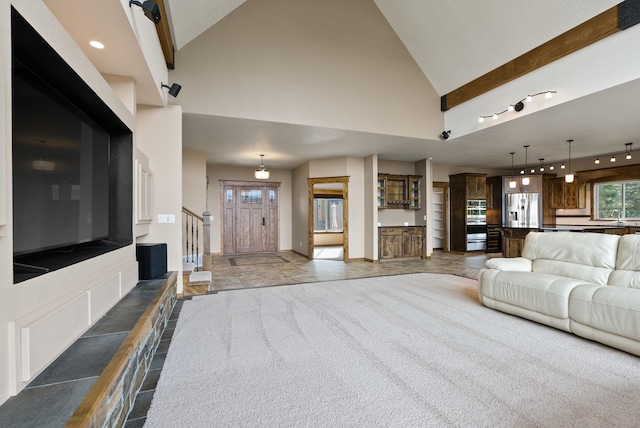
(166, 218)
(424, 217)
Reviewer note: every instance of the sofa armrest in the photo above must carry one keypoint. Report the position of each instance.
(520, 264)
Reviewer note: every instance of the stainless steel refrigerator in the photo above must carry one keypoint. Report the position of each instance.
(523, 210)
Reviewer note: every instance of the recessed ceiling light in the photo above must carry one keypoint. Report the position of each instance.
(96, 44)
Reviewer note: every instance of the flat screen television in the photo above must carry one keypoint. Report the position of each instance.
(60, 168)
(72, 162)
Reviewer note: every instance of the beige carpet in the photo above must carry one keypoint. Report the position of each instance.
(397, 351)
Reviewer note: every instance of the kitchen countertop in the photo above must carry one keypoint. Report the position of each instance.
(571, 227)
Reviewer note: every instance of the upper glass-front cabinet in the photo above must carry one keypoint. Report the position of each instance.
(382, 191)
(399, 191)
(414, 192)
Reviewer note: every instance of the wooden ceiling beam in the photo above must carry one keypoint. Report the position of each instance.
(620, 17)
(164, 34)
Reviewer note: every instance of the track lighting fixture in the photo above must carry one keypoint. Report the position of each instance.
(262, 173)
(517, 106)
(541, 166)
(150, 9)
(174, 89)
(445, 134)
(627, 154)
(551, 167)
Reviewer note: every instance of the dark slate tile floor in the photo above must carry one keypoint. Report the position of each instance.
(52, 397)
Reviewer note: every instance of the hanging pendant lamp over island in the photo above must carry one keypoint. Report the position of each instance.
(512, 182)
(525, 179)
(569, 176)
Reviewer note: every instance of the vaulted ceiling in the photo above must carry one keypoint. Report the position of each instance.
(451, 42)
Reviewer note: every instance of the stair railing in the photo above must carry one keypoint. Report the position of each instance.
(192, 238)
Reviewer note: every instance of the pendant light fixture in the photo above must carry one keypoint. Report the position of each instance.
(525, 179)
(512, 181)
(628, 145)
(262, 173)
(541, 165)
(569, 176)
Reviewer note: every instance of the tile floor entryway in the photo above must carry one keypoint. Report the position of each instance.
(297, 269)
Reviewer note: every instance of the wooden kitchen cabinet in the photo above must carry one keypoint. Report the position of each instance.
(534, 186)
(464, 187)
(382, 190)
(513, 247)
(400, 242)
(476, 186)
(390, 243)
(412, 241)
(399, 191)
(566, 195)
(414, 184)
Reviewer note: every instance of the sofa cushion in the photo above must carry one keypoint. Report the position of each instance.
(512, 263)
(540, 292)
(585, 256)
(627, 273)
(597, 275)
(590, 249)
(614, 310)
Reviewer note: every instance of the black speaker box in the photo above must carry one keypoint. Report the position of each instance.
(152, 260)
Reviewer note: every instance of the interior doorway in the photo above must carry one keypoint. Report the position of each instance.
(439, 215)
(249, 217)
(328, 218)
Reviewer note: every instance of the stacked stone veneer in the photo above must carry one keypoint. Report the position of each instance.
(112, 396)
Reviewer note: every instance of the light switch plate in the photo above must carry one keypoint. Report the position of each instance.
(166, 218)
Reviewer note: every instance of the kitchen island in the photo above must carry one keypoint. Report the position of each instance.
(513, 237)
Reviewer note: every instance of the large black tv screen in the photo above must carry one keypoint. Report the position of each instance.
(60, 169)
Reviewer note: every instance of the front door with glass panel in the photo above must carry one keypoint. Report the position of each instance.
(250, 217)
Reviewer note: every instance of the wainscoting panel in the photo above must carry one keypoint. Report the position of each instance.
(103, 296)
(128, 279)
(43, 339)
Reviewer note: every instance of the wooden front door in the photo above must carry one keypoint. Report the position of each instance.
(250, 218)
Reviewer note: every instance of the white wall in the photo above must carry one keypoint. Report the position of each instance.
(331, 63)
(194, 181)
(300, 209)
(159, 136)
(357, 210)
(219, 173)
(371, 207)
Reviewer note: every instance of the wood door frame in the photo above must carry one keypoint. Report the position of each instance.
(238, 183)
(444, 185)
(345, 212)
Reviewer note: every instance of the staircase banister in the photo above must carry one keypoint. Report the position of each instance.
(191, 213)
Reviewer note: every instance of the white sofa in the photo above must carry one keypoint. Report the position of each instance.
(585, 283)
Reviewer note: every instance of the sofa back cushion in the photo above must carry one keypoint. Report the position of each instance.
(586, 256)
(627, 273)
